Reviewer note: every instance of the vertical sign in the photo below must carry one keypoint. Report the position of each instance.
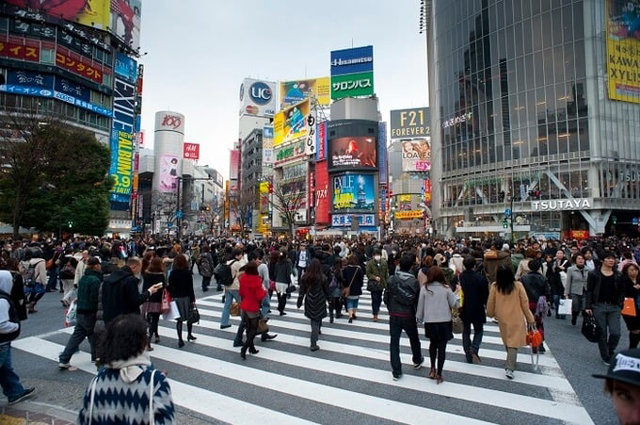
(321, 141)
(191, 151)
(382, 152)
(323, 200)
(121, 141)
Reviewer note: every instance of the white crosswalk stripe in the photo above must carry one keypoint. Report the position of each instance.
(350, 373)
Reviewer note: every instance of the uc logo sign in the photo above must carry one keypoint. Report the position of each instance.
(260, 93)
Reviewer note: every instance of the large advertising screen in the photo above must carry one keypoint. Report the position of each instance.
(298, 90)
(416, 155)
(92, 13)
(623, 49)
(353, 152)
(121, 141)
(291, 123)
(410, 123)
(354, 192)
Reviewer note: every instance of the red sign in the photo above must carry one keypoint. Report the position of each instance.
(191, 151)
(323, 200)
(579, 234)
(18, 51)
(427, 191)
(78, 65)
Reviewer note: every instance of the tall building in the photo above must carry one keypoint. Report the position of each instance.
(535, 111)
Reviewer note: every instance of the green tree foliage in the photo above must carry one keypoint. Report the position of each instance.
(55, 178)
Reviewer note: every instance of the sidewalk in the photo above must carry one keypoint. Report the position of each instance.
(34, 413)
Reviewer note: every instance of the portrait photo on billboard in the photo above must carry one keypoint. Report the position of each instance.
(353, 192)
(168, 173)
(93, 13)
(416, 155)
(125, 21)
(353, 152)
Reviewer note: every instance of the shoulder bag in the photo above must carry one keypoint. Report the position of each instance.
(346, 291)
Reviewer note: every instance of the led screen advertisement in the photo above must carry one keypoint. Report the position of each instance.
(353, 152)
(298, 90)
(416, 155)
(353, 192)
(291, 123)
(623, 49)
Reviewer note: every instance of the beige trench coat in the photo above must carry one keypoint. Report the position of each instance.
(511, 311)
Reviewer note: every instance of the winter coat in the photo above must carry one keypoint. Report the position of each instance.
(535, 285)
(593, 288)
(523, 268)
(181, 284)
(511, 311)
(88, 289)
(576, 280)
(555, 276)
(353, 272)
(516, 259)
(410, 284)
(377, 269)
(314, 295)
(475, 288)
(494, 259)
(150, 279)
(282, 271)
(251, 292)
(435, 303)
(120, 294)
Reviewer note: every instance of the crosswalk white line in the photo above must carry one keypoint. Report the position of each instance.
(205, 402)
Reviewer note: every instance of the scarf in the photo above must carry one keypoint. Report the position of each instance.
(131, 368)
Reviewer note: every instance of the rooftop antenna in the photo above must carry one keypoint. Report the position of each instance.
(351, 42)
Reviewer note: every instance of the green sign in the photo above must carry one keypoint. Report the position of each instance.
(350, 85)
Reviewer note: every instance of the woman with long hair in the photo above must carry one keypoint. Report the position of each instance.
(151, 309)
(181, 291)
(314, 292)
(434, 310)
(632, 290)
(120, 392)
(509, 304)
(352, 278)
(335, 290)
(251, 294)
(282, 275)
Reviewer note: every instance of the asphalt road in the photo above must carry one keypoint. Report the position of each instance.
(348, 380)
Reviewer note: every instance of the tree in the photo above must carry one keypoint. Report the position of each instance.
(242, 205)
(164, 203)
(287, 204)
(54, 176)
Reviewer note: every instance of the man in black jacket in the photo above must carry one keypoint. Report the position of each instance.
(401, 299)
(536, 285)
(120, 294)
(475, 288)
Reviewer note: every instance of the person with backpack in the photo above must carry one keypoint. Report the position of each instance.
(314, 292)
(401, 299)
(34, 276)
(67, 274)
(475, 290)
(228, 274)
(9, 330)
(205, 266)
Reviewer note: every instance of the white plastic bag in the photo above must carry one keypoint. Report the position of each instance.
(173, 313)
(564, 307)
(70, 317)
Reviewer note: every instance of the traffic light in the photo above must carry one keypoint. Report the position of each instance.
(505, 224)
(614, 219)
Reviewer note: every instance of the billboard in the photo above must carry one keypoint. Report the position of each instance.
(623, 49)
(267, 151)
(354, 192)
(125, 21)
(410, 123)
(92, 13)
(291, 123)
(298, 90)
(409, 215)
(289, 152)
(169, 121)
(416, 155)
(121, 140)
(352, 152)
(322, 197)
(125, 67)
(78, 65)
(321, 141)
(382, 152)
(191, 151)
(234, 167)
(168, 173)
(19, 51)
(352, 85)
(344, 220)
(352, 61)
(258, 98)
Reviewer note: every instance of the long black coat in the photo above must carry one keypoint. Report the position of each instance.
(314, 295)
(475, 288)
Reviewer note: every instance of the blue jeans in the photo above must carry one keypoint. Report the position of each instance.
(396, 326)
(230, 295)
(10, 382)
(265, 306)
(376, 301)
(352, 303)
(478, 331)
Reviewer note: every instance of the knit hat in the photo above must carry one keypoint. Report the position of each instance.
(624, 367)
(534, 265)
(506, 247)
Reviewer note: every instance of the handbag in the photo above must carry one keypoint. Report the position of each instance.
(534, 340)
(456, 322)
(49, 264)
(235, 309)
(173, 312)
(347, 291)
(564, 307)
(629, 307)
(263, 327)
(272, 285)
(590, 328)
(374, 286)
(194, 315)
(166, 301)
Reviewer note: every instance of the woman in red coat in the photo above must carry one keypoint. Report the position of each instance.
(251, 294)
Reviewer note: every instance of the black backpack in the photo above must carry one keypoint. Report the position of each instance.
(13, 317)
(223, 273)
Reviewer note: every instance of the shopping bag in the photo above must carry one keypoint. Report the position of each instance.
(262, 327)
(564, 307)
(235, 309)
(629, 307)
(173, 312)
(166, 302)
(70, 317)
(456, 322)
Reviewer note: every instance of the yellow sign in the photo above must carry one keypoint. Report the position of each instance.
(97, 14)
(318, 89)
(290, 123)
(408, 215)
(623, 50)
(122, 178)
(405, 198)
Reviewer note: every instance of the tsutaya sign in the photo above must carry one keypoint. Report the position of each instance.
(562, 204)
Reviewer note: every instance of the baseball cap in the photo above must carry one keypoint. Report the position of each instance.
(624, 367)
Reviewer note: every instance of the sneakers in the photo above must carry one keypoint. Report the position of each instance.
(63, 365)
(418, 365)
(396, 376)
(25, 395)
(509, 373)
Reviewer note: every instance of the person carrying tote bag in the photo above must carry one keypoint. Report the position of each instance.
(353, 274)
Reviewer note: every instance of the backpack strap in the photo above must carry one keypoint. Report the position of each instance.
(151, 386)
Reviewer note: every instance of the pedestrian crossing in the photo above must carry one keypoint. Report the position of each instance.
(349, 378)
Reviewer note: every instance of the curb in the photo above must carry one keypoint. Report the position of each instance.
(35, 413)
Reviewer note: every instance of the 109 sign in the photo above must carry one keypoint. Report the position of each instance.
(260, 93)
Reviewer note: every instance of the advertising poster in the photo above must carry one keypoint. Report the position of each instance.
(409, 215)
(126, 67)
(168, 173)
(121, 141)
(623, 49)
(191, 151)
(352, 152)
(354, 192)
(298, 90)
(382, 153)
(410, 123)
(264, 197)
(93, 13)
(322, 193)
(291, 123)
(352, 61)
(321, 141)
(352, 85)
(258, 98)
(234, 167)
(125, 21)
(416, 155)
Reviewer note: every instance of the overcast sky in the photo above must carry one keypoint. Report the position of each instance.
(200, 50)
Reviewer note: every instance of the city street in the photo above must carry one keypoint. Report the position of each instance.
(349, 379)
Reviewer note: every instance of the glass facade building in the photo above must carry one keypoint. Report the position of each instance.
(524, 119)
